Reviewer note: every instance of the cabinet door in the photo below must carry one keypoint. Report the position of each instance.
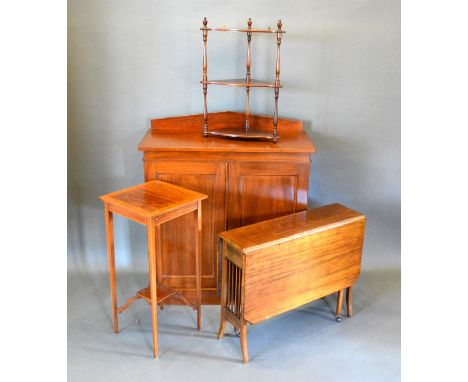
(177, 261)
(260, 191)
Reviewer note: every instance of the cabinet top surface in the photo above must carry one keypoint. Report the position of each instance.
(152, 198)
(185, 134)
(267, 233)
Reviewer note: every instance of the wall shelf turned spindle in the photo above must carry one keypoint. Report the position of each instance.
(247, 130)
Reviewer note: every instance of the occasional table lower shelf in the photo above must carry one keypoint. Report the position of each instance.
(163, 293)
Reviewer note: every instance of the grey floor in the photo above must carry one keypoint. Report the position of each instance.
(303, 345)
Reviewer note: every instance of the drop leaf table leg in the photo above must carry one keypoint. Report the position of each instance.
(243, 341)
(339, 305)
(349, 301)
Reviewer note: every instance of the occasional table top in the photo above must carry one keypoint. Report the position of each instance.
(274, 231)
(152, 198)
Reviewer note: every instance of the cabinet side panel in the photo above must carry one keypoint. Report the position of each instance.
(293, 273)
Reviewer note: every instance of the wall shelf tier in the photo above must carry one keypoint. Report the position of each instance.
(242, 82)
(242, 30)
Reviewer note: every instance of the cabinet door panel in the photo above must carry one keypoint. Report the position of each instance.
(261, 191)
(177, 261)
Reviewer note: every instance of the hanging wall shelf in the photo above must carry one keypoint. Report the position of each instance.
(247, 131)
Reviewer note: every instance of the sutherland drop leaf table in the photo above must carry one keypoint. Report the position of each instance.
(152, 204)
(280, 264)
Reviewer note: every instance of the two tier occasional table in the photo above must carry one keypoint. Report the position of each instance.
(152, 204)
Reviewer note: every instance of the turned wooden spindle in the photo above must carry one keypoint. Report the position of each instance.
(205, 78)
(247, 77)
(278, 42)
(277, 81)
(247, 131)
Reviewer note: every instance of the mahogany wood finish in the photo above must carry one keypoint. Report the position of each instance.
(236, 132)
(280, 264)
(152, 204)
(339, 305)
(245, 181)
(268, 190)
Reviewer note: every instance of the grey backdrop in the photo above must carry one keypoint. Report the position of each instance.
(133, 60)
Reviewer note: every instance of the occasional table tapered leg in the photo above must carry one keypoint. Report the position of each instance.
(152, 204)
(110, 252)
(152, 248)
(349, 301)
(158, 259)
(243, 341)
(339, 305)
(198, 239)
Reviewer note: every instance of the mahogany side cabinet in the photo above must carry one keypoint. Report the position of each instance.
(277, 265)
(245, 181)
